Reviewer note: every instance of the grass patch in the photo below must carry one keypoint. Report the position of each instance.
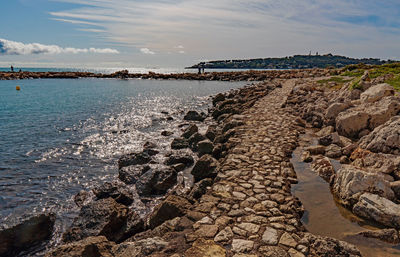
(333, 82)
(375, 71)
(395, 82)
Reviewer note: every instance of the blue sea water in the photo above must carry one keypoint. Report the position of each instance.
(112, 70)
(60, 136)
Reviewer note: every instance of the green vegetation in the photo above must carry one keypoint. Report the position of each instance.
(375, 71)
(333, 82)
(291, 62)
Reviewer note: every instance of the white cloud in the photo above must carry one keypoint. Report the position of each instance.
(146, 51)
(242, 28)
(8, 47)
(181, 52)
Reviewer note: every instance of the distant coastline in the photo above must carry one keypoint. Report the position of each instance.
(291, 62)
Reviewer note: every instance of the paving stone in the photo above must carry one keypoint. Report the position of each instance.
(224, 235)
(287, 240)
(242, 246)
(249, 227)
(270, 236)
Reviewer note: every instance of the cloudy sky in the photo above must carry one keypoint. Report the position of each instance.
(166, 33)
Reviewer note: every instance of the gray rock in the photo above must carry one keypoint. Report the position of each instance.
(387, 235)
(28, 233)
(376, 93)
(376, 162)
(350, 183)
(379, 209)
(333, 111)
(385, 138)
(350, 123)
(333, 151)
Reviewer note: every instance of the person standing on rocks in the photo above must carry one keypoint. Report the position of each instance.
(12, 68)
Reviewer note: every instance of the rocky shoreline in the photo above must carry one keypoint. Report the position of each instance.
(251, 75)
(237, 200)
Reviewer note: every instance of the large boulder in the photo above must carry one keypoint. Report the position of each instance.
(367, 116)
(116, 190)
(382, 111)
(28, 233)
(172, 207)
(205, 167)
(333, 111)
(350, 183)
(97, 246)
(350, 123)
(156, 180)
(379, 209)
(134, 159)
(376, 93)
(385, 138)
(375, 162)
(104, 217)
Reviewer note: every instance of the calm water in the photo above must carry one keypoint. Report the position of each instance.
(131, 70)
(323, 216)
(58, 137)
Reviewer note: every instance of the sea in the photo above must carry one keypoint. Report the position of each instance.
(61, 136)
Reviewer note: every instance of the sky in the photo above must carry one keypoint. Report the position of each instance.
(166, 33)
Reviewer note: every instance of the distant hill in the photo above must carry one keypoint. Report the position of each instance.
(292, 62)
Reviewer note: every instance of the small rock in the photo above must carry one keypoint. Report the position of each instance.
(185, 159)
(333, 151)
(134, 159)
(130, 174)
(166, 133)
(156, 181)
(200, 188)
(315, 149)
(139, 248)
(205, 147)
(179, 143)
(194, 116)
(387, 235)
(81, 197)
(306, 157)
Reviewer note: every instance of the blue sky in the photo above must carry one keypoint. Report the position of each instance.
(166, 33)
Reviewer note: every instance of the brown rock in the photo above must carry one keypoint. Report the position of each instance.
(89, 247)
(205, 248)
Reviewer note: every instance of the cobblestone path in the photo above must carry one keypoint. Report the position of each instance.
(251, 209)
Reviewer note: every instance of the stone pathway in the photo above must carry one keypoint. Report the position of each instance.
(251, 211)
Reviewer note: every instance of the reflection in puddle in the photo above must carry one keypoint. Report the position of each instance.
(323, 216)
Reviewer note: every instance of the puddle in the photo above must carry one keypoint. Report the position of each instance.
(323, 216)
